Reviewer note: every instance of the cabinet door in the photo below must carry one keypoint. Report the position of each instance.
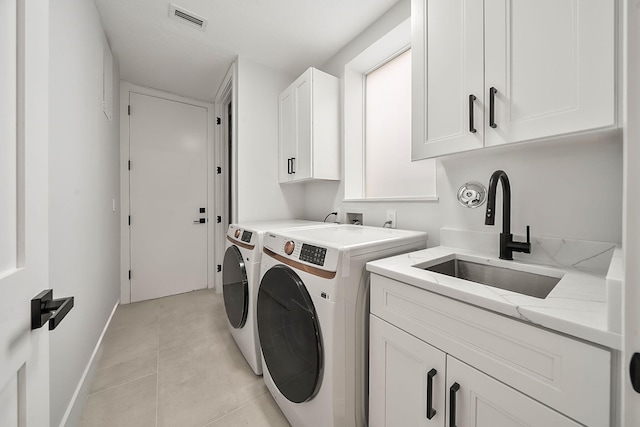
(447, 69)
(301, 88)
(552, 64)
(481, 401)
(286, 129)
(400, 367)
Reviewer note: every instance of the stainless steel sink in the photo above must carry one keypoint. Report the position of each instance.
(522, 282)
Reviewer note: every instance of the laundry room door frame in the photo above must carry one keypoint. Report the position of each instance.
(227, 182)
(125, 246)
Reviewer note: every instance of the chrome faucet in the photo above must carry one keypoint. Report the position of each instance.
(507, 245)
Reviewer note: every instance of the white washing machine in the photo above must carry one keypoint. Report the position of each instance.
(312, 310)
(240, 280)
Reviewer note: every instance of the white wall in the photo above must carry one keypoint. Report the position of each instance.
(566, 187)
(260, 197)
(84, 179)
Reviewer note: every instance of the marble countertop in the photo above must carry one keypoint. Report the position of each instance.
(577, 306)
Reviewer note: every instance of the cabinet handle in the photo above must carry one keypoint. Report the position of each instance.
(289, 166)
(430, 410)
(492, 107)
(293, 165)
(472, 128)
(452, 404)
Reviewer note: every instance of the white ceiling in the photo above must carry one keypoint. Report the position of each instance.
(291, 35)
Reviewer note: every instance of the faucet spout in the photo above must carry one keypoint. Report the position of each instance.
(490, 219)
(507, 244)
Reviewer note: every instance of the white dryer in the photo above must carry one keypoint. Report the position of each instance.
(240, 280)
(312, 310)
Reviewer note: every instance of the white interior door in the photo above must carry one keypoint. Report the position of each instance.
(168, 191)
(24, 353)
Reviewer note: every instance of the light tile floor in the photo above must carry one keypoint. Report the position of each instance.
(172, 362)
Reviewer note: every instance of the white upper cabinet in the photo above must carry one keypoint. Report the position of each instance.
(309, 132)
(447, 68)
(286, 134)
(501, 71)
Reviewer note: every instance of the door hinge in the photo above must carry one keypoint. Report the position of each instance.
(218, 121)
(129, 219)
(219, 268)
(129, 274)
(128, 110)
(218, 219)
(218, 170)
(129, 165)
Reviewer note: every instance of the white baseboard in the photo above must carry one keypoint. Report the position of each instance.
(74, 410)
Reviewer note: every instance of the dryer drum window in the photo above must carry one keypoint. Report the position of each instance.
(289, 334)
(235, 287)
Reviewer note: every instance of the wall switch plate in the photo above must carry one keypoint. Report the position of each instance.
(391, 216)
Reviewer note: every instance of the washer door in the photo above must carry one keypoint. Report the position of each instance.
(235, 287)
(289, 334)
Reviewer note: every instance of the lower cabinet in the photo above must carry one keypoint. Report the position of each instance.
(415, 384)
(508, 372)
(406, 380)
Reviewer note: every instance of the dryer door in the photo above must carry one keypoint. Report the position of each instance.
(235, 287)
(289, 334)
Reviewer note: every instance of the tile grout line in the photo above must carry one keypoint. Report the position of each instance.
(236, 409)
(123, 384)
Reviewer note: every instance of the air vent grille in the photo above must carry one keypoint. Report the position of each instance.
(190, 18)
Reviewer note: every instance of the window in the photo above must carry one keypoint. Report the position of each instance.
(377, 113)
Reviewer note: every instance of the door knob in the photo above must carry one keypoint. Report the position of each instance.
(46, 309)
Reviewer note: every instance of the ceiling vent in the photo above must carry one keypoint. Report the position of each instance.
(190, 18)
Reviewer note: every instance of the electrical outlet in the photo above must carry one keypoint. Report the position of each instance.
(391, 216)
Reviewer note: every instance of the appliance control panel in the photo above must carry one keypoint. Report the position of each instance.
(313, 254)
(246, 236)
(322, 257)
(239, 235)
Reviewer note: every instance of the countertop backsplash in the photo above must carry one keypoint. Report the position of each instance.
(589, 257)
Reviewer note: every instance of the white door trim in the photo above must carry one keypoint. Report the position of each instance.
(125, 250)
(228, 91)
(630, 407)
